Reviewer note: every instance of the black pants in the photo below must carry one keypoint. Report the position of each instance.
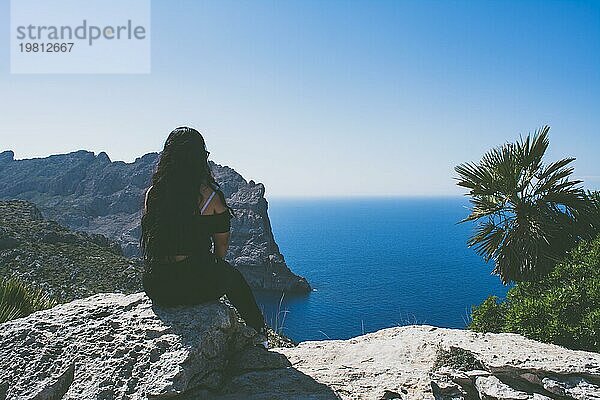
(197, 280)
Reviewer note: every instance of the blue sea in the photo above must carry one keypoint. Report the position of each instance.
(375, 263)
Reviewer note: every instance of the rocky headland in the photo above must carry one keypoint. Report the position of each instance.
(117, 346)
(90, 193)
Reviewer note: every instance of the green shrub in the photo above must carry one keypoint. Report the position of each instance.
(456, 358)
(489, 316)
(562, 308)
(18, 299)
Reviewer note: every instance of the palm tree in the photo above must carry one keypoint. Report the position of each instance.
(528, 214)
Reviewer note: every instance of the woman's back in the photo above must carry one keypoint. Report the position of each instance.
(190, 234)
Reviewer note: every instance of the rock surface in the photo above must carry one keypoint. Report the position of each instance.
(90, 193)
(115, 346)
(398, 363)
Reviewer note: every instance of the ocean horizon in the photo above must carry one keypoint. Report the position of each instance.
(375, 262)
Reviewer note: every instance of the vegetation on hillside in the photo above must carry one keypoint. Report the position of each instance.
(64, 264)
(18, 299)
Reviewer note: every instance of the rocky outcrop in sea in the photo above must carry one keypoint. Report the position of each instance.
(90, 193)
(116, 346)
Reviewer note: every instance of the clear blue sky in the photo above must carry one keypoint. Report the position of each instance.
(332, 98)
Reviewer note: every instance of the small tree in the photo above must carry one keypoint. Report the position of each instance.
(528, 214)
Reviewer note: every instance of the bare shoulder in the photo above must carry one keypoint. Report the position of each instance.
(217, 203)
(205, 190)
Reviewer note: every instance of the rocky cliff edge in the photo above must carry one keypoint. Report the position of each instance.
(115, 346)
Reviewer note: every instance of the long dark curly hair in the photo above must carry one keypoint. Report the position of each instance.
(175, 195)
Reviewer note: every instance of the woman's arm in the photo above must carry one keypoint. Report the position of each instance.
(146, 199)
(220, 239)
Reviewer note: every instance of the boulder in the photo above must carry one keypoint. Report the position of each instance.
(121, 347)
(115, 346)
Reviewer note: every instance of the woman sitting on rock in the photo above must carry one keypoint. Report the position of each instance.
(183, 210)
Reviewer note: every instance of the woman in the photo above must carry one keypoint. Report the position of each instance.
(183, 210)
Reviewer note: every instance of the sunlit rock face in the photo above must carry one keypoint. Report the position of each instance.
(116, 346)
(428, 362)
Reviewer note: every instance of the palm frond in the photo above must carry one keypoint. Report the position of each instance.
(532, 213)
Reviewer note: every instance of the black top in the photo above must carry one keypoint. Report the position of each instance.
(185, 234)
(215, 223)
(202, 226)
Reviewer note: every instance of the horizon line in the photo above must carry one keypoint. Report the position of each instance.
(363, 196)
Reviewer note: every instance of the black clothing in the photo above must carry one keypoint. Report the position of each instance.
(204, 226)
(188, 235)
(198, 280)
(202, 276)
(176, 232)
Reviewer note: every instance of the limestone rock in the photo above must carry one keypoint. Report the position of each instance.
(490, 387)
(90, 193)
(7, 156)
(400, 360)
(113, 346)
